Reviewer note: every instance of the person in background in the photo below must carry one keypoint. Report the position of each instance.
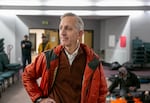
(26, 46)
(70, 73)
(45, 45)
(127, 80)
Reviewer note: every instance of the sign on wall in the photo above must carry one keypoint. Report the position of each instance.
(111, 41)
(123, 41)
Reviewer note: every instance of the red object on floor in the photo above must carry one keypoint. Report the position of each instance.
(119, 100)
(122, 100)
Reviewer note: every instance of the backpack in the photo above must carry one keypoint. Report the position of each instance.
(115, 66)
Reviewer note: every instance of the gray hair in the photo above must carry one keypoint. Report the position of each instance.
(79, 24)
(123, 70)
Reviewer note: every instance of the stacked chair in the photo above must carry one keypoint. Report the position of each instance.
(1, 78)
(9, 72)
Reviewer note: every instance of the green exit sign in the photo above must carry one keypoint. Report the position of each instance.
(44, 22)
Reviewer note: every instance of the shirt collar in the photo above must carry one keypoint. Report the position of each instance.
(74, 53)
(72, 56)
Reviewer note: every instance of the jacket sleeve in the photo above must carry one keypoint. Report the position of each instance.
(135, 80)
(30, 75)
(114, 84)
(39, 48)
(103, 86)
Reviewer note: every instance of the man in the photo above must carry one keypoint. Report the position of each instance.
(45, 45)
(127, 80)
(71, 74)
(26, 51)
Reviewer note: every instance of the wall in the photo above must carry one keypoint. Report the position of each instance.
(12, 30)
(24, 23)
(116, 26)
(7, 24)
(20, 30)
(140, 24)
(53, 23)
(94, 25)
(35, 22)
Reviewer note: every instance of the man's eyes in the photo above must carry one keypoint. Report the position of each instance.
(66, 28)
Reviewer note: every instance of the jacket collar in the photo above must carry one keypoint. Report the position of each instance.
(92, 58)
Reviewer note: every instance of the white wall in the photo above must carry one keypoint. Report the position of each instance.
(12, 30)
(116, 26)
(20, 30)
(140, 26)
(137, 25)
(7, 26)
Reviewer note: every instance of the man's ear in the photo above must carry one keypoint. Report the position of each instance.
(81, 33)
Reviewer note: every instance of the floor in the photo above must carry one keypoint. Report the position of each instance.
(17, 94)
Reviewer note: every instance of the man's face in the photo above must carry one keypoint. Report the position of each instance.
(44, 39)
(26, 38)
(68, 32)
(121, 75)
(122, 72)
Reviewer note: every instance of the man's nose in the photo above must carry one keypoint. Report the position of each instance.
(62, 32)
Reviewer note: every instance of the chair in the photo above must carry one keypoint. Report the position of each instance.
(5, 77)
(0, 89)
(1, 85)
(10, 70)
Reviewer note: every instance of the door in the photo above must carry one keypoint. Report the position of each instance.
(53, 37)
(88, 38)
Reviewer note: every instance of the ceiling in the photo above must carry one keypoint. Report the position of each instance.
(74, 2)
(96, 9)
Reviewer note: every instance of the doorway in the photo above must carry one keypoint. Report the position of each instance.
(35, 37)
(88, 38)
(53, 34)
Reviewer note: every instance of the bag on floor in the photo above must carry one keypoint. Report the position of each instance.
(115, 66)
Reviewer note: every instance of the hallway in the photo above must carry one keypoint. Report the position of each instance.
(15, 94)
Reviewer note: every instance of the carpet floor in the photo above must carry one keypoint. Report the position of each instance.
(17, 94)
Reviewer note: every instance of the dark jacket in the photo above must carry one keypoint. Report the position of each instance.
(131, 80)
(26, 51)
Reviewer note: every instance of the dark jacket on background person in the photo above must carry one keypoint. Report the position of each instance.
(26, 46)
(26, 51)
(131, 80)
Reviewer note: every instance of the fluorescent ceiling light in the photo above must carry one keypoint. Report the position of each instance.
(74, 2)
(81, 12)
